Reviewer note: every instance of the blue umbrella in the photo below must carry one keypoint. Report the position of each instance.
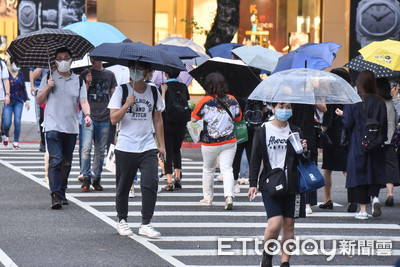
(310, 55)
(183, 52)
(223, 50)
(125, 53)
(97, 32)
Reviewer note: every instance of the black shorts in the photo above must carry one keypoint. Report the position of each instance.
(283, 206)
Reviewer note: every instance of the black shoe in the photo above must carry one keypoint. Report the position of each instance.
(86, 184)
(266, 260)
(389, 201)
(178, 182)
(64, 200)
(328, 205)
(56, 201)
(96, 185)
(285, 264)
(42, 148)
(352, 207)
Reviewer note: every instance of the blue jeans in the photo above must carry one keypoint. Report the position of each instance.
(61, 147)
(97, 131)
(15, 107)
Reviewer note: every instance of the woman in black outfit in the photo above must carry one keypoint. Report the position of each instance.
(334, 156)
(174, 129)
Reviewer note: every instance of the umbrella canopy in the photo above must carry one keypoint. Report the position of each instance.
(385, 53)
(258, 57)
(184, 76)
(223, 50)
(359, 64)
(124, 53)
(97, 32)
(241, 80)
(305, 86)
(310, 55)
(37, 49)
(179, 41)
(183, 52)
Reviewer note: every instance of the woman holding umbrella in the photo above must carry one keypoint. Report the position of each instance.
(218, 110)
(277, 153)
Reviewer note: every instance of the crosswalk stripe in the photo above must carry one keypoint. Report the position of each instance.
(208, 238)
(370, 226)
(175, 203)
(229, 214)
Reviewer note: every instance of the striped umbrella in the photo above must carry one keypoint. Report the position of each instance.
(37, 49)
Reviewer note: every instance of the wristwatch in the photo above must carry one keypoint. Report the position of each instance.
(377, 20)
(27, 16)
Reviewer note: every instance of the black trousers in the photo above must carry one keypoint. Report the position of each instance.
(127, 165)
(239, 151)
(111, 135)
(41, 119)
(173, 143)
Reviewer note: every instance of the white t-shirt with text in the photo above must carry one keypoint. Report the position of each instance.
(136, 131)
(3, 75)
(276, 144)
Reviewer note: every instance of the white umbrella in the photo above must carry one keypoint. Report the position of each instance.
(258, 57)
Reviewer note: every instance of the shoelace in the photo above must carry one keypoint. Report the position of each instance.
(124, 226)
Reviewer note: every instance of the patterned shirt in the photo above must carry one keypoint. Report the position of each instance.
(218, 125)
(17, 87)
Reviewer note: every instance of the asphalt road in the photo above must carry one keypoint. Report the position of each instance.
(84, 234)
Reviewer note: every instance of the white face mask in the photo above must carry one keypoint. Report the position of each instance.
(14, 67)
(139, 75)
(64, 65)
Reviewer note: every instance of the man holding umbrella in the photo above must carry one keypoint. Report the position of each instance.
(61, 92)
(137, 108)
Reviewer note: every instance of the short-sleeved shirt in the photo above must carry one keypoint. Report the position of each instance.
(218, 124)
(61, 113)
(136, 133)
(4, 76)
(99, 93)
(17, 87)
(37, 82)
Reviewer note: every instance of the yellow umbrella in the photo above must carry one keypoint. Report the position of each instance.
(385, 53)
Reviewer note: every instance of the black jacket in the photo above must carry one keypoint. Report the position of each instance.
(260, 154)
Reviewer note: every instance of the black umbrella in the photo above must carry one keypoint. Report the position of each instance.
(241, 80)
(125, 53)
(359, 64)
(183, 52)
(37, 49)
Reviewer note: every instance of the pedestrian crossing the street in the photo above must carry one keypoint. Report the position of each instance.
(195, 235)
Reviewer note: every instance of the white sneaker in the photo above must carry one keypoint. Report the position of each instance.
(148, 231)
(163, 177)
(131, 193)
(376, 207)
(205, 202)
(228, 203)
(123, 228)
(362, 216)
(236, 189)
(308, 210)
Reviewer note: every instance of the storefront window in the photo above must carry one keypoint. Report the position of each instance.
(282, 25)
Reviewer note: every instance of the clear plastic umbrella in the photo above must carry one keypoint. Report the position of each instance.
(180, 41)
(305, 86)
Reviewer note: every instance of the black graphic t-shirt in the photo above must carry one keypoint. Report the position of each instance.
(99, 93)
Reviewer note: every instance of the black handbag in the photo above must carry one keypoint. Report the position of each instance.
(275, 182)
(322, 138)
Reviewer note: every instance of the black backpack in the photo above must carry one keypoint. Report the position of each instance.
(372, 134)
(253, 112)
(125, 95)
(177, 107)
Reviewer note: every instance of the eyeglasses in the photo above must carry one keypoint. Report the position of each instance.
(63, 59)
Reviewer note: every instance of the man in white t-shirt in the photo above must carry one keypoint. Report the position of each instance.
(4, 89)
(139, 115)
